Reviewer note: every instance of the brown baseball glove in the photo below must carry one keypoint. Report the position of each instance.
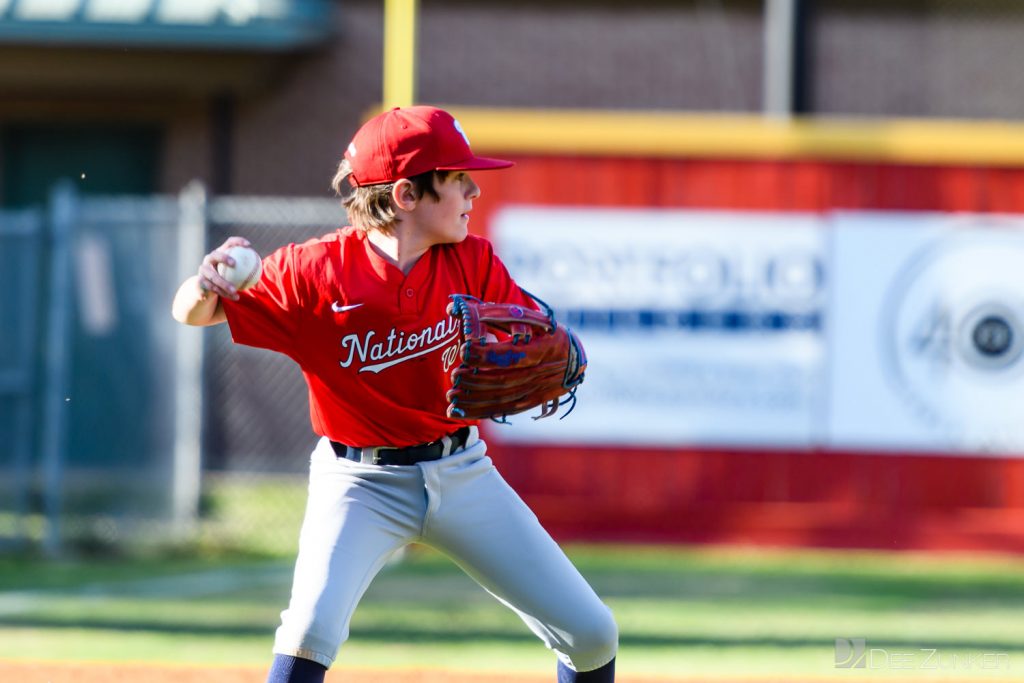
(513, 359)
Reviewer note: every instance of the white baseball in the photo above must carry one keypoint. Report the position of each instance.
(247, 269)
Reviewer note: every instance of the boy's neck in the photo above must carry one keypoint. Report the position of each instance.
(399, 252)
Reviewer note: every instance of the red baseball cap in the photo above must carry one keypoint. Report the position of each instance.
(407, 141)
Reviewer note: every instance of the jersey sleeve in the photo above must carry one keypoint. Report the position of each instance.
(266, 316)
(497, 284)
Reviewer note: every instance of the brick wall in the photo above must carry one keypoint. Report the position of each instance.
(293, 113)
(646, 55)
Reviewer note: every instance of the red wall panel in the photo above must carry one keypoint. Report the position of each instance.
(817, 498)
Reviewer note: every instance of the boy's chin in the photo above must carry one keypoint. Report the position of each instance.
(457, 237)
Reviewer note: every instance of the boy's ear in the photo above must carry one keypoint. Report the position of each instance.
(403, 194)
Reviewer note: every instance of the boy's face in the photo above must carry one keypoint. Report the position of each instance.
(446, 221)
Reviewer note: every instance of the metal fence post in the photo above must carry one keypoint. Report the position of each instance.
(188, 354)
(21, 233)
(63, 211)
(779, 55)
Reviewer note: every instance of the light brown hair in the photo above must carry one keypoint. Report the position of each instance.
(369, 207)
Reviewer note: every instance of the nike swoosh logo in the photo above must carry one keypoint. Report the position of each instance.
(338, 308)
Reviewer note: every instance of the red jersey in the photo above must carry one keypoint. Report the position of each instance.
(375, 345)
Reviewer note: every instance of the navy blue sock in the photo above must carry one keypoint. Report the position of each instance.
(606, 674)
(287, 669)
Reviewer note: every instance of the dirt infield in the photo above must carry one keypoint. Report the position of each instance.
(40, 672)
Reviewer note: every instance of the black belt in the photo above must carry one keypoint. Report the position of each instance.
(409, 455)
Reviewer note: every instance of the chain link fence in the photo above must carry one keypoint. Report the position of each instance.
(120, 427)
(257, 409)
(256, 435)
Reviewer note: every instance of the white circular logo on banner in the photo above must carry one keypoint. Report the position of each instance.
(954, 335)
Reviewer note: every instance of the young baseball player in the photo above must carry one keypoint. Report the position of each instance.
(363, 312)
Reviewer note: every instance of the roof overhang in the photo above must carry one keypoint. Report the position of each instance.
(249, 25)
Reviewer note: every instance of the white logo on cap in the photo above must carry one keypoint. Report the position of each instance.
(351, 149)
(458, 127)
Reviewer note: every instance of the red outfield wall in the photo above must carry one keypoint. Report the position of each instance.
(812, 497)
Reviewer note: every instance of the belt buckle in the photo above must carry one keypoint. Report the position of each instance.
(375, 456)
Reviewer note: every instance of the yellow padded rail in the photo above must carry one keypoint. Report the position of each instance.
(671, 134)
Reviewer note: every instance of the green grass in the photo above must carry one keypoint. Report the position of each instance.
(251, 514)
(684, 611)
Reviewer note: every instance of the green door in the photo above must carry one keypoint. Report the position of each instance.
(100, 159)
(112, 376)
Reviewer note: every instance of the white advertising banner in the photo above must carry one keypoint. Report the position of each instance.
(926, 333)
(700, 327)
(864, 331)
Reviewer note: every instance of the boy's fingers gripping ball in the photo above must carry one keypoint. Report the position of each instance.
(247, 269)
